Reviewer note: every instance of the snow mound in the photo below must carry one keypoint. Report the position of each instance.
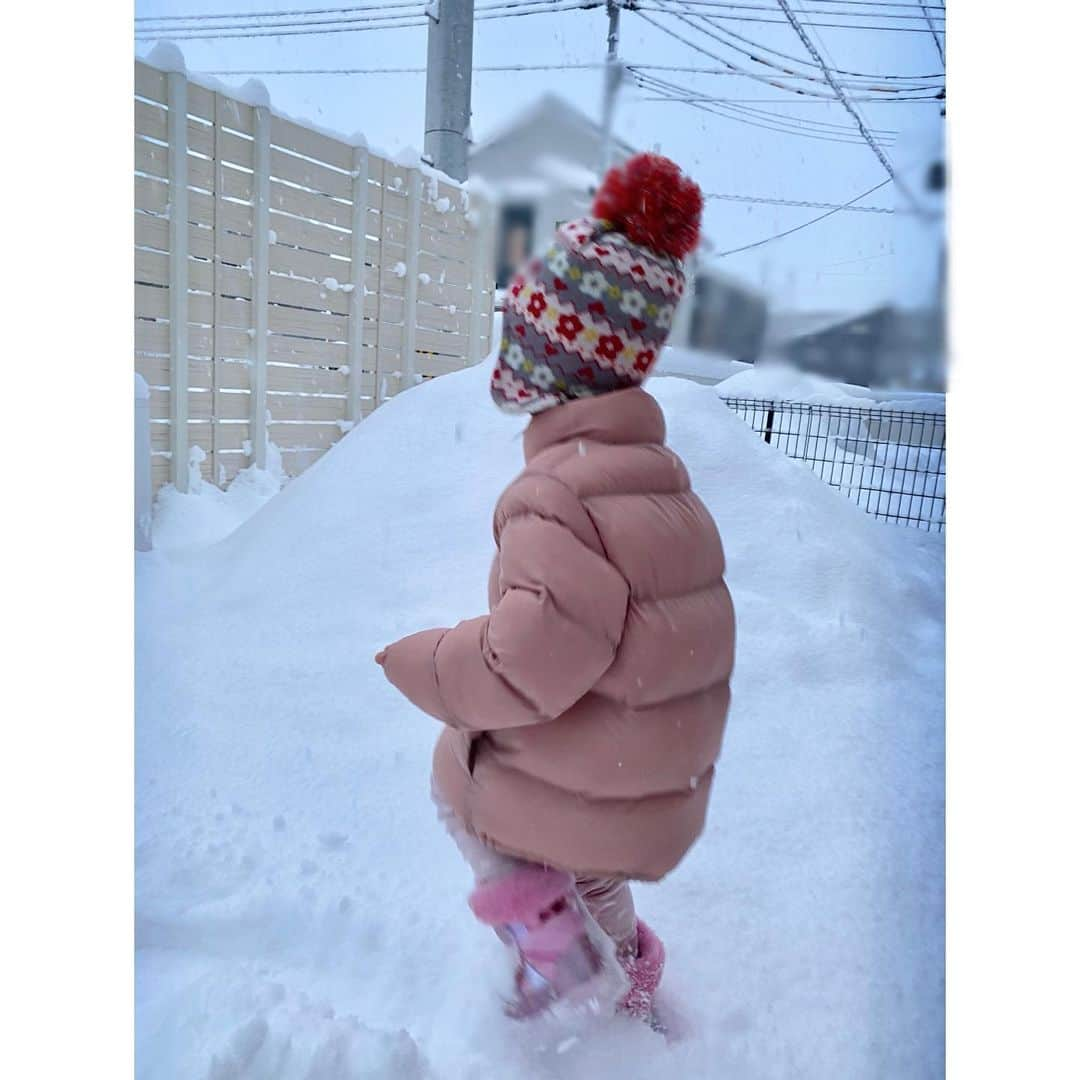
(782, 382)
(778, 380)
(301, 914)
(696, 364)
(206, 513)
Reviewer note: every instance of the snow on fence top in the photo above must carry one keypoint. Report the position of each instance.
(287, 281)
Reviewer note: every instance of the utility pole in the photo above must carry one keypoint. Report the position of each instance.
(612, 78)
(449, 86)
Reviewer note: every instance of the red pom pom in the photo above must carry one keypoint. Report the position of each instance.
(650, 201)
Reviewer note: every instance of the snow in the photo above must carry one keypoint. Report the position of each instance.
(701, 366)
(206, 514)
(777, 380)
(301, 914)
(166, 56)
(783, 382)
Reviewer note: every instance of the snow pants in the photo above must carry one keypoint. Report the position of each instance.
(608, 899)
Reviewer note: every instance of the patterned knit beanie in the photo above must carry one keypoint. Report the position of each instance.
(592, 314)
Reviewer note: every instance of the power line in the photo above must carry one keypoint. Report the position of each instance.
(374, 15)
(877, 4)
(714, 4)
(598, 65)
(725, 71)
(362, 11)
(415, 16)
(805, 224)
(403, 15)
(732, 112)
(770, 101)
(801, 203)
(260, 30)
(937, 40)
(278, 14)
(781, 22)
(824, 95)
(713, 31)
(400, 70)
(688, 95)
(760, 48)
(353, 8)
(351, 24)
(715, 56)
(871, 142)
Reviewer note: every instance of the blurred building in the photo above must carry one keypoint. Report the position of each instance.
(900, 341)
(543, 167)
(540, 170)
(885, 346)
(726, 316)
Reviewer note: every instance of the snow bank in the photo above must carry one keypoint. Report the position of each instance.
(206, 513)
(700, 366)
(300, 913)
(778, 380)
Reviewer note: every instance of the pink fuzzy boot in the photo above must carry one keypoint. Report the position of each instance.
(644, 971)
(538, 910)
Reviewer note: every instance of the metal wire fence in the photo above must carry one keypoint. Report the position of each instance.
(890, 462)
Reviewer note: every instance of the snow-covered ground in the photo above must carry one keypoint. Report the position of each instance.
(776, 379)
(301, 915)
(704, 367)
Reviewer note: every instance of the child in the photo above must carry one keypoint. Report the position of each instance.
(584, 714)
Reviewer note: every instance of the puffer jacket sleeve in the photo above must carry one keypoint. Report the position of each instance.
(552, 635)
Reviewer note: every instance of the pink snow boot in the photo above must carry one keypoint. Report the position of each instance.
(537, 910)
(644, 971)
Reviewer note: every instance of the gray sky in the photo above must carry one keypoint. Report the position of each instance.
(841, 263)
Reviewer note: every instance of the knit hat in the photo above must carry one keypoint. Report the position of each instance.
(592, 314)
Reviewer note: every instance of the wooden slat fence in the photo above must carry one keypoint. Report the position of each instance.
(287, 283)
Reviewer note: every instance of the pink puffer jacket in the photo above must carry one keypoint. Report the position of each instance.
(584, 714)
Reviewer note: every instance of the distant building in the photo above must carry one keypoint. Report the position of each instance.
(726, 316)
(887, 346)
(542, 169)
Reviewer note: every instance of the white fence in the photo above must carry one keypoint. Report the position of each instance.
(286, 282)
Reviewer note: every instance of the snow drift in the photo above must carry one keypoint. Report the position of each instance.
(300, 914)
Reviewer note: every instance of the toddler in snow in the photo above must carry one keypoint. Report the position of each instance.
(584, 714)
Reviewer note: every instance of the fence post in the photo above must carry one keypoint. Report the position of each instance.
(769, 423)
(178, 281)
(481, 254)
(358, 254)
(260, 289)
(143, 485)
(412, 258)
(216, 468)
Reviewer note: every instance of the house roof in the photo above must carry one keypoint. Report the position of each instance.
(544, 106)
